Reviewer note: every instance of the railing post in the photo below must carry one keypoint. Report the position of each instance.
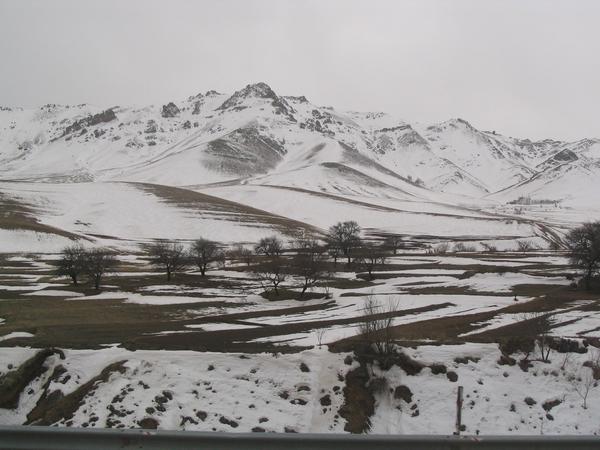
(459, 403)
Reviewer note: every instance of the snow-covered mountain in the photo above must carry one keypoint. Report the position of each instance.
(258, 136)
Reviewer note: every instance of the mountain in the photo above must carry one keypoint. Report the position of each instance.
(257, 136)
(570, 174)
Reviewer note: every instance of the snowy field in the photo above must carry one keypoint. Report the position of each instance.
(212, 354)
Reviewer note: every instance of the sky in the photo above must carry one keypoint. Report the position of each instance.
(525, 68)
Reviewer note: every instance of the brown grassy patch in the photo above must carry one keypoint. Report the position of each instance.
(202, 202)
(16, 215)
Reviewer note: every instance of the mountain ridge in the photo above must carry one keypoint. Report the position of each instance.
(254, 132)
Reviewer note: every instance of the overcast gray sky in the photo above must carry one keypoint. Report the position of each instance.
(526, 68)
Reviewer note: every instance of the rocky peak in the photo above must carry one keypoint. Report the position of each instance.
(588, 142)
(198, 96)
(258, 90)
(91, 120)
(170, 110)
(297, 99)
(458, 124)
(461, 123)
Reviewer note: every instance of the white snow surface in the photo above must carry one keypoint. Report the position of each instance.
(247, 390)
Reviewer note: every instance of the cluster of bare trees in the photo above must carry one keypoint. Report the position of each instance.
(310, 256)
(344, 239)
(306, 258)
(173, 257)
(308, 262)
(77, 261)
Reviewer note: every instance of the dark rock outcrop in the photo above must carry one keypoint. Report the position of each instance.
(170, 110)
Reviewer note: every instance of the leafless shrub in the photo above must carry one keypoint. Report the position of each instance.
(440, 249)
(320, 333)
(594, 363)
(525, 246)
(376, 326)
(487, 247)
(461, 247)
(369, 256)
(565, 361)
(538, 324)
(583, 384)
(378, 385)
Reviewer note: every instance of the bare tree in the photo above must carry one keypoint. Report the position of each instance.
(204, 253)
(584, 247)
(169, 256)
(376, 325)
(394, 243)
(98, 262)
(309, 263)
(487, 247)
(369, 256)
(71, 262)
(538, 325)
(241, 253)
(269, 246)
(344, 236)
(583, 384)
(271, 271)
(272, 268)
(334, 252)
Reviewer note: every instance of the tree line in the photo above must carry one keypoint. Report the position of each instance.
(272, 261)
(307, 256)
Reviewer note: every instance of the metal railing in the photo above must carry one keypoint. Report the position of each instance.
(53, 438)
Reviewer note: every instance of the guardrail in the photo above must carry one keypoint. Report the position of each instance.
(54, 438)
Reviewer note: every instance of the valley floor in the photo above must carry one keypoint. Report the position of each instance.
(210, 353)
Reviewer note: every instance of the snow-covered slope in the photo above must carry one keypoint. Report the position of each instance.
(570, 176)
(126, 214)
(257, 136)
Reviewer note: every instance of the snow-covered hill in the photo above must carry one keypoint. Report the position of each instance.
(256, 136)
